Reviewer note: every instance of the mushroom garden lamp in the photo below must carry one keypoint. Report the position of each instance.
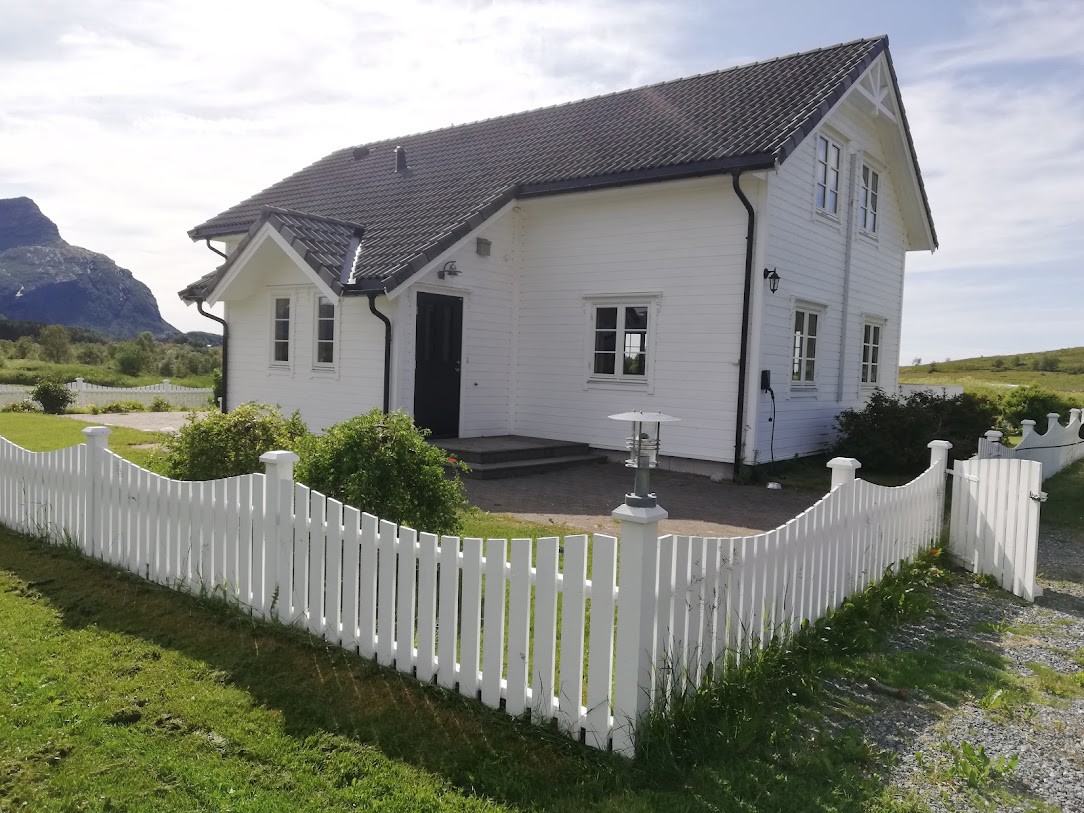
(643, 446)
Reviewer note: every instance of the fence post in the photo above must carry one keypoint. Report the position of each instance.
(1027, 426)
(843, 470)
(939, 450)
(279, 532)
(1053, 421)
(636, 601)
(990, 445)
(93, 461)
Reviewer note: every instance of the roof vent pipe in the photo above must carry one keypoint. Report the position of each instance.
(400, 160)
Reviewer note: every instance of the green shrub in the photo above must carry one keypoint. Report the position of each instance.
(131, 359)
(226, 445)
(123, 407)
(53, 396)
(382, 464)
(21, 406)
(1033, 403)
(160, 404)
(891, 434)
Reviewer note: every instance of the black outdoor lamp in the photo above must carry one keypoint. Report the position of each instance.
(643, 446)
(773, 279)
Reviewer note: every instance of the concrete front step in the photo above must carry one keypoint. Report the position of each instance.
(518, 468)
(512, 455)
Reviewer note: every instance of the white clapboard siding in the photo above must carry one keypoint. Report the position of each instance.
(500, 621)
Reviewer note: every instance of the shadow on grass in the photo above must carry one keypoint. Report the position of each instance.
(321, 690)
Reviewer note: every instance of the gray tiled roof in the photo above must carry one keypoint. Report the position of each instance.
(329, 246)
(747, 117)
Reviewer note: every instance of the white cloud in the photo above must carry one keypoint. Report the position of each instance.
(130, 123)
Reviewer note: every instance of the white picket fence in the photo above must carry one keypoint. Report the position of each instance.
(501, 621)
(1059, 446)
(87, 394)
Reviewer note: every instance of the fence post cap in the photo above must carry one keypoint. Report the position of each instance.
(97, 431)
(640, 516)
(939, 444)
(165, 380)
(992, 434)
(278, 456)
(1027, 422)
(843, 463)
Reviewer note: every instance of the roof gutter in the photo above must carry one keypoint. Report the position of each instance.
(743, 357)
(387, 346)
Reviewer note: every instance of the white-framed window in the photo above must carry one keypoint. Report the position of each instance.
(872, 331)
(826, 188)
(620, 333)
(869, 193)
(803, 371)
(324, 345)
(281, 313)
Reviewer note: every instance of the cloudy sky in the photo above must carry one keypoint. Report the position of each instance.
(130, 121)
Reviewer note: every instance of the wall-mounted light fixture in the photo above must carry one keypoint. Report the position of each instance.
(449, 270)
(482, 247)
(773, 279)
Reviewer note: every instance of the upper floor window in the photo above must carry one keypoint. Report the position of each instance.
(620, 341)
(325, 330)
(871, 354)
(804, 362)
(280, 330)
(827, 181)
(868, 195)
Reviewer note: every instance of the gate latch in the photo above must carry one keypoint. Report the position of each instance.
(1038, 496)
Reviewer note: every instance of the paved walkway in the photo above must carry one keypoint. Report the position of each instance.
(584, 496)
(147, 421)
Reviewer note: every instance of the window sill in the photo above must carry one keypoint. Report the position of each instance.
(827, 217)
(807, 392)
(868, 235)
(597, 382)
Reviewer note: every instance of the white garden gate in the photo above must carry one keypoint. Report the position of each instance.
(994, 526)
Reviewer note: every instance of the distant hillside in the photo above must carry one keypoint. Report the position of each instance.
(1058, 370)
(44, 279)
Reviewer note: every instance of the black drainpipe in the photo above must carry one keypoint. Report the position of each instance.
(387, 348)
(225, 348)
(225, 329)
(743, 357)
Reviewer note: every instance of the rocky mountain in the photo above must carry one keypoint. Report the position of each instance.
(44, 279)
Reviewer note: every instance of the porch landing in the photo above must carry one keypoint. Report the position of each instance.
(515, 455)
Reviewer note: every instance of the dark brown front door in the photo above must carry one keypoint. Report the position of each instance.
(439, 355)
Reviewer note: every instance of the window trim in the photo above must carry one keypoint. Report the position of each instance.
(863, 209)
(291, 328)
(592, 302)
(831, 141)
(880, 323)
(316, 363)
(814, 309)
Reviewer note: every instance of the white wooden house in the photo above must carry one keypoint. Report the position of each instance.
(532, 274)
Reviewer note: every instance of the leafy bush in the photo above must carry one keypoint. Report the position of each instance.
(130, 359)
(225, 445)
(53, 396)
(891, 434)
(1032, 403)
(21, 406)
(123, 407)
(160, 404)
(382, 464)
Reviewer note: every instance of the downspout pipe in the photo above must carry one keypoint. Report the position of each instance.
(387, 348)
(225, 350)
(743, 357)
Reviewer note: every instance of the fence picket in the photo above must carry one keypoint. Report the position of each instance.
(426, 662)
(544, 660)
(519, 627)
(406, 579)
(448, 623)
(600, 664)
(470, 622)
(570, 680)
(385, 593)
(368, 572)
(351, 569)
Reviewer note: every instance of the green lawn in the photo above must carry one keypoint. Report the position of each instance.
(1065, 499)
(30, 371)
(46, 433)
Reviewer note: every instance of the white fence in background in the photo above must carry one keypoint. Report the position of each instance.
(1059, 446)
(480, 616)
(994, 525)
(87, 394)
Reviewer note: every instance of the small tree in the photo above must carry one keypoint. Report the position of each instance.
(226, 445)
(131, 359)
(55, 343)
(1033, 403)
(382, 464)
(53, 396)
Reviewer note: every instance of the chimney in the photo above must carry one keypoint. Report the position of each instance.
(400, 160)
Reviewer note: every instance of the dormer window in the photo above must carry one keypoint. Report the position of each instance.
(827, 180)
